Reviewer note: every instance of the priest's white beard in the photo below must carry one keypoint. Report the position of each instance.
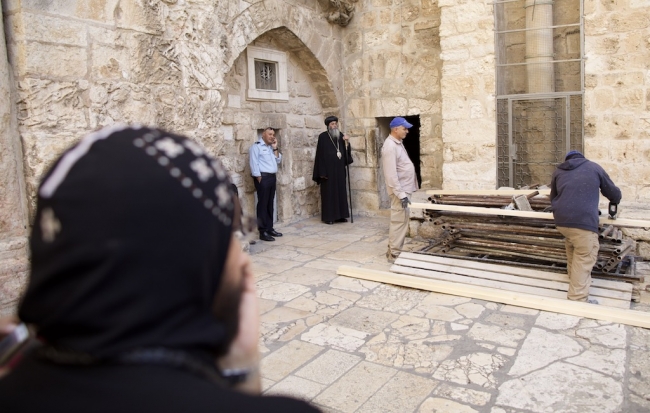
(334, 133)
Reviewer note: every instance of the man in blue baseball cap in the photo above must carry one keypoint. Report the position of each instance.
(575, 188)
(401, 182)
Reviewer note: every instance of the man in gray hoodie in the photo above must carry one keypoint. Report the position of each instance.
(575, 187)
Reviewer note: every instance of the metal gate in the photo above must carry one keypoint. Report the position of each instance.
(534, 134)
(539, 85)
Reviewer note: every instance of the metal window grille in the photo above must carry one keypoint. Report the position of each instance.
(540, 87)
(266, 75)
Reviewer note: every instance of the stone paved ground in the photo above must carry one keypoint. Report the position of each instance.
(350, 345)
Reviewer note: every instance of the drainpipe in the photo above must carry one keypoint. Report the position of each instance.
(539, 46)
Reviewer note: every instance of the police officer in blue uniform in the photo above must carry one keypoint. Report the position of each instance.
(264, 160)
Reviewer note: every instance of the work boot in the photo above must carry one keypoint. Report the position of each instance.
(390, 257)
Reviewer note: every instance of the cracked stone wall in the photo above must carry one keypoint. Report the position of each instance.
(13, 211)
(298, 122)
(468, 100)
(391, 68)
(617, 93)
(79, 65)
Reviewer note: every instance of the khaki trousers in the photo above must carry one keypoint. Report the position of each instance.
(399, 225)
(581, 254)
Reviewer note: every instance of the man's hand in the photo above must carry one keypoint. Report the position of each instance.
(612, 210)
(405, 202)
(259, 178)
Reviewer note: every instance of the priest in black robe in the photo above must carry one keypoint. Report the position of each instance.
(333, 153)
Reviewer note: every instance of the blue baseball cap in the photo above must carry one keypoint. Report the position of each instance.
(570, 154)
(399, 121)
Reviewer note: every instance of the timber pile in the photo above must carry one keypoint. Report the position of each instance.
(523, 243)
(507, 278)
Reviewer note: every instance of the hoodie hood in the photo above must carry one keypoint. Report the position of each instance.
(572, 163)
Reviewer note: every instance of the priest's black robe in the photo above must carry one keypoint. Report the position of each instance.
(333, 192)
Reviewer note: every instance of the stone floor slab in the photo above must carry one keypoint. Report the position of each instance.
(282, 362)
(562, 388)
(328, 367)
(403, 392)
(355, 387)
(542, 348)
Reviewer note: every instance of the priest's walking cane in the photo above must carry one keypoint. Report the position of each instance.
(347, 168)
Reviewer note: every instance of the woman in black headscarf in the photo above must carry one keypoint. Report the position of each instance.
(137, 285)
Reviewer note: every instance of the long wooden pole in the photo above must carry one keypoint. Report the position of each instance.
(619, 222)
(555, 305)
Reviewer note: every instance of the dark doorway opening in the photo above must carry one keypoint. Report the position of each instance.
(411, 144)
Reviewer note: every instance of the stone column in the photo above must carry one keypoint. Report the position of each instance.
(13, 207)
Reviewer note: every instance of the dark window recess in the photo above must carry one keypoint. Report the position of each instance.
(266, 75)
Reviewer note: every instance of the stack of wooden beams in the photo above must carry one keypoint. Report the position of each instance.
(486, 230)
(508, 278)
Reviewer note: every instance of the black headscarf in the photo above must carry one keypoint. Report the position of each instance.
(330, 119)
(128, 245)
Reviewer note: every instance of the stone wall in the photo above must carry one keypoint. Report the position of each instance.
(297, 122)
(13, 209)
(80, 65)
(467, 89)
(617, 93)
(392, 68)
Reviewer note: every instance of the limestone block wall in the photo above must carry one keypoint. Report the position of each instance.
(617, 93)
(13, 208)
(391, 68)
(298, 122)
(468, 94)
(79, 65)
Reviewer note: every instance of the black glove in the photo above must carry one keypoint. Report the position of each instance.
(405, 202)
(613, 209)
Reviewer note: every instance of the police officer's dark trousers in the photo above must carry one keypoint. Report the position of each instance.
(265, 194)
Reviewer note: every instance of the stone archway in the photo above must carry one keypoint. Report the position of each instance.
(321, 40)
(297, 121)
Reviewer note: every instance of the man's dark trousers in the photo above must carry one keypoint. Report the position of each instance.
(265, 194)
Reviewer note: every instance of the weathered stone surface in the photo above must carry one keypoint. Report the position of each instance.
(612, 335)
(504, 336)
(402, 392)
(555, 321)
(438, 405)
(280, 363)
(477, 368)
(462, 394)
(349, 393)
(542, 348)
(587, 391)
(328, 367)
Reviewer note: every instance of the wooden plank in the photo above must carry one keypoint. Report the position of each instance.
(554, 305)
(507, 278)
(507, 269)
(505, 192)
(501, 285)
(619, 222)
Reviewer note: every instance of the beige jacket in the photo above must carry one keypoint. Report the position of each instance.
(399, 172)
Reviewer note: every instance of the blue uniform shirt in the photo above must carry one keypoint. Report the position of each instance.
(262, 158)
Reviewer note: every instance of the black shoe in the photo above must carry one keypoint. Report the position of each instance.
(342, 220)
(264, 236)
(275, 233)
(329, 222)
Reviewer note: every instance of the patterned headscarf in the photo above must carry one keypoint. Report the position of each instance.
(128, 245)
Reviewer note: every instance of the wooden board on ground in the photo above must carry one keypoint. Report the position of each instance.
(504, 192)
(514, 270)
(620, 222)
(556, 305)
(506, 282)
